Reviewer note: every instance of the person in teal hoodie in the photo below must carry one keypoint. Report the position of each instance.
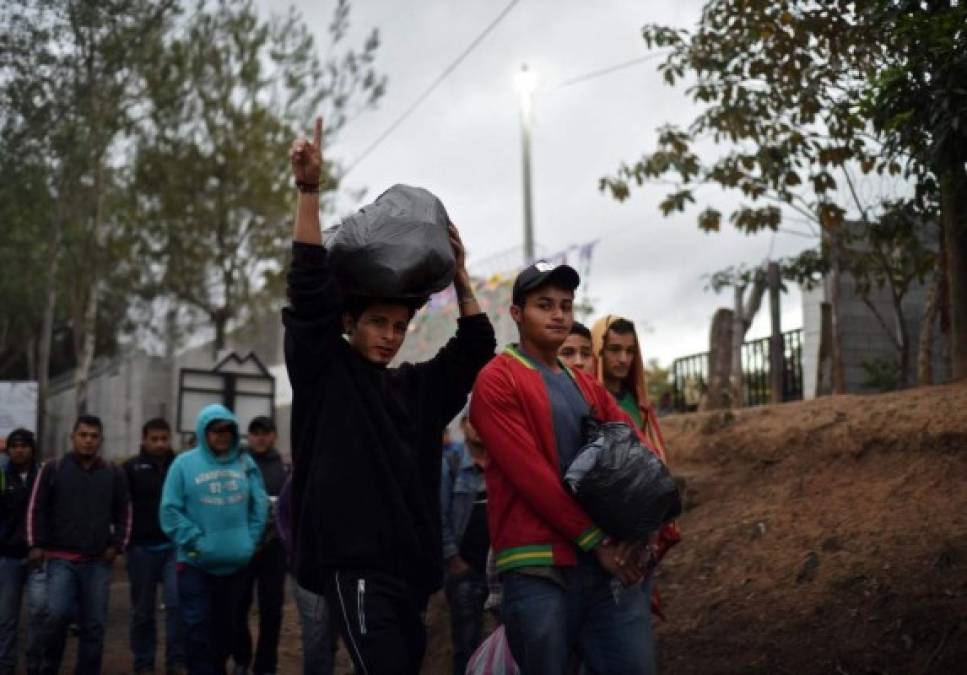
(214, 508)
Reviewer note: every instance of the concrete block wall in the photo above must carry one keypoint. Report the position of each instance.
(864, 338)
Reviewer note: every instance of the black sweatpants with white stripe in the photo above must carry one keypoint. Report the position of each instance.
(380, 620)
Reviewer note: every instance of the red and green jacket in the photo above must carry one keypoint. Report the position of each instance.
(533, 521)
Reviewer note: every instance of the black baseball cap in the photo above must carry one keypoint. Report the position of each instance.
(261, 423)
(23, 436)
(540, 273)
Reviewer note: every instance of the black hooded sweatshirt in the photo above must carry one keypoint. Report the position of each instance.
(367, 440)
(146, 478)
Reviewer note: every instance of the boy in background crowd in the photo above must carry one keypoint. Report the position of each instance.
(151, 558)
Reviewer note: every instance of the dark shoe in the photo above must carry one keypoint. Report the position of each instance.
(177, 669)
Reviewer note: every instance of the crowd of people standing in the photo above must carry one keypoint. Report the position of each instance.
(375, 515)
(198, 527)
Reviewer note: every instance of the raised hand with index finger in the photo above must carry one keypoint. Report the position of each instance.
(306, 160)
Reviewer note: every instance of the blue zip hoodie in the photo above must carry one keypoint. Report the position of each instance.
(214, 508)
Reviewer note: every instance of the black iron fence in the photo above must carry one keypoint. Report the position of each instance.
(690, 373)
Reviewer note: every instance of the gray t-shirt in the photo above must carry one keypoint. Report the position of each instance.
(568, 409)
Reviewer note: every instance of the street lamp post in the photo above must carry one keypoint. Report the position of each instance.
(526, 83)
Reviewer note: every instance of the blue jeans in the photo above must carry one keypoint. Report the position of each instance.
(209, 605)
(36, 619)
(319, 633)
(76, 590)
(466, 595)
(13, 577)
(545, 623)
(147, 569)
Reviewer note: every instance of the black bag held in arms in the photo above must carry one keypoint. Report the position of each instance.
(626, 490)
(396, 247)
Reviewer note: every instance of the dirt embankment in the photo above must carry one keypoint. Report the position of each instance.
(827, 536)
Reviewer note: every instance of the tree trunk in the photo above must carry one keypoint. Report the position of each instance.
(953, 207)
(835, 273)
(824, 368)
(902, 344)
(32, 358)
(87, 340)
(85, 355)
(777, 349)
(220, 319)
(738, 337)
(927, 324)
(745, 311)
(720, 361)
(46, 336)
(171, 329)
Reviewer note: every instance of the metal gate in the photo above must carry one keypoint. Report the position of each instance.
(690, 373)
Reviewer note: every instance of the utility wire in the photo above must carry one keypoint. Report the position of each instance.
(429, 90)
(610, 69)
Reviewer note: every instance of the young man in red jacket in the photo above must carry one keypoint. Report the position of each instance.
(558, 569)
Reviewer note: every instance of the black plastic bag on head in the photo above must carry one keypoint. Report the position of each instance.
(396, 247)
(626, 490)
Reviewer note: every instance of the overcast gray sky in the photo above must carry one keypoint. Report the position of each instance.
(463, 144)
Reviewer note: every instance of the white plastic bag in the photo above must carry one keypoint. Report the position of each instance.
(493, 656)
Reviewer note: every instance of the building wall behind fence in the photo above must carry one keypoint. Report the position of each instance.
(863, 338)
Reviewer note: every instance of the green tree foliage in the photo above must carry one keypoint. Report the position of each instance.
(212, 161)
(71, 74)
(919, 103)
(142, 165)
(783, 89)
(779, 85)
(25, 205)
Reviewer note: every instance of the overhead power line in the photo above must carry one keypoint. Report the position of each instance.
(610, 69)
(433, 85)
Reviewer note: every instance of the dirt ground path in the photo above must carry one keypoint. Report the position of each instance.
(118, 661)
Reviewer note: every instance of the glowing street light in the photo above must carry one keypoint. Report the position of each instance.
(526, 84)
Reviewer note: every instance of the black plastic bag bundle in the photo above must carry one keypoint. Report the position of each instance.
(626, 490)
(396, 247)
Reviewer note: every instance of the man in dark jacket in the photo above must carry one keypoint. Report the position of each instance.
(268, 567)
(16, 481)
(78, 521)
(151, 558)
(367, 441)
